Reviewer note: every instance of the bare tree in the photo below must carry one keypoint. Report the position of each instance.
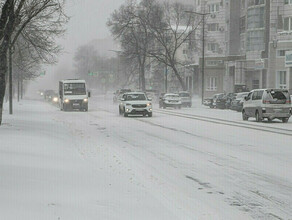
(128, 25)
(37, 21)
(171, 27)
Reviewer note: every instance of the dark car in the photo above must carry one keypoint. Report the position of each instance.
(48, 94)
(229, 98)
(220, 101)
(237, 102)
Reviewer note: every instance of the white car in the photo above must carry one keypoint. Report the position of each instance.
(135, 103)
(170, 100)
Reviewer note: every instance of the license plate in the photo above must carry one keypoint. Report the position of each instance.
(75, 104)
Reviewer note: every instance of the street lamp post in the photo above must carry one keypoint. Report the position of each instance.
(203, 48)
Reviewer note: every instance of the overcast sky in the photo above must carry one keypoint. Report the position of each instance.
(87, 22)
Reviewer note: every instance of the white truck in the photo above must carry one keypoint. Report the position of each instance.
(73, 95)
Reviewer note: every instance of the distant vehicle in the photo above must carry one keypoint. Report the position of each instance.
(267, 103)
(170, 100)
(119, 93)
(73, 95)
(186, 98)
(135, 103)
(48, 94)
(237, 103)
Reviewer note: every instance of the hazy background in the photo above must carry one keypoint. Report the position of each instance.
(87, 22)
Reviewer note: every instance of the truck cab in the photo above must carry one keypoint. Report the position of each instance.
(73, 95)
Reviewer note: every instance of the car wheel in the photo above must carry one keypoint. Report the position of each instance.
(285, 120)
(125, 114)
(120, 111)
(257, 115)
(164, 106)
(244, 116)
(150, 114)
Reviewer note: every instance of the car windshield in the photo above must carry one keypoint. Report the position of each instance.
(184, 94)
(74, 89)
(135, 97)
(171, 96)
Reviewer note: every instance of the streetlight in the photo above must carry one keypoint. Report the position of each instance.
(203, 48)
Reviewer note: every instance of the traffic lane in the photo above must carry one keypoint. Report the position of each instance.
(253, 158)
(240, 152)
(161, 174)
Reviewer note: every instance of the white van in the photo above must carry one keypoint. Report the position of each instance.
(267, 103)
(73, 95)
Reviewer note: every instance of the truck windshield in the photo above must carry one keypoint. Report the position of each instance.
(74, 89)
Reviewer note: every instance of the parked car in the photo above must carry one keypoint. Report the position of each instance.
(237, 103)
(229, 98)
(186, 99)
(208, 102)
(267, 103)
(119, 93)
(135, 103)
(220, 101)
(170, 100)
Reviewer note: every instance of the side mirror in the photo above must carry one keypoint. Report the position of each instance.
(89, 94)
(246, 98)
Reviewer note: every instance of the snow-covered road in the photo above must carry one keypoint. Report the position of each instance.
(99, 165)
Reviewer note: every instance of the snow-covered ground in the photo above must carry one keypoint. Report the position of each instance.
(99, 165)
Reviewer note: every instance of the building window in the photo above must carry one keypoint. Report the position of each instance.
(288, 2)
(214, 7)
(214, 62)
(256, 18)
(256, 2)
(255, 84)
(288, 24)
(242, 3)
(281, 80)
(281, 53)
(255, 40)
(213, 27)
(242, 24)
(212, 84)
(213, 47)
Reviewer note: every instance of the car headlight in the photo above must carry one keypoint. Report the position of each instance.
(66, 101)
(85, 100)
(55, 99)
(149, 104)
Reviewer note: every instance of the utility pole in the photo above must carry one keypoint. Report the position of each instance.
(10, 80)
(203, 48)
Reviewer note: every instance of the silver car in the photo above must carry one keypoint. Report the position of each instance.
(267, 103)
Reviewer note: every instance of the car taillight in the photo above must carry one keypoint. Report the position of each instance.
(288, 101)
(266, 102)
